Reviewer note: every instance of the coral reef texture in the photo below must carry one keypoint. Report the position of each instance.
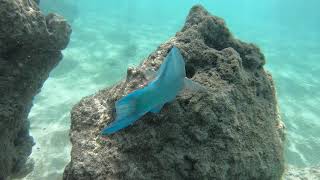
(31, 45)
(230, 131)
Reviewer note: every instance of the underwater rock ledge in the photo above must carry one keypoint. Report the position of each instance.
(31, 45)
(232, 131)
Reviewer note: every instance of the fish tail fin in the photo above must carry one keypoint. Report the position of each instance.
(190, 85)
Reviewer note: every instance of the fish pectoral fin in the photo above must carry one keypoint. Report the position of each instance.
(150, 74)
(127, 113)
(192, 86)
(157, 109)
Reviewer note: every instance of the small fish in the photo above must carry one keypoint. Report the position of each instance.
(169, 81)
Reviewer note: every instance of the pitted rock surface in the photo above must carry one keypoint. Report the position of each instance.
(230, 131)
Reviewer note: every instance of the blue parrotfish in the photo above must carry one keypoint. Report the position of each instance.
(169, 81)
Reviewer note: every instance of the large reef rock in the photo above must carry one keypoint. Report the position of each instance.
(232, 131)
(30, 47)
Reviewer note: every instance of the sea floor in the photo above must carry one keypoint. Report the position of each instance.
(101, 49)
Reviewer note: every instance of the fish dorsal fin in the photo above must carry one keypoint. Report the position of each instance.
(173, 66)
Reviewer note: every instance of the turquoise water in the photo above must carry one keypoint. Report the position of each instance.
(109, 36)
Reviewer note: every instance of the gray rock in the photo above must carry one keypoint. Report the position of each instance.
(232, 131)
(31, 47)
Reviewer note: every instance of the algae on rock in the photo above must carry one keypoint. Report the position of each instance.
(232, 131)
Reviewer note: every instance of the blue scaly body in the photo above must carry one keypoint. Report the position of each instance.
(169, 81)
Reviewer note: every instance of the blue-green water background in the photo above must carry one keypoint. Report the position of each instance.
(108, 36)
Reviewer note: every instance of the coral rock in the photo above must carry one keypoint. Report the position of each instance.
(229, 132)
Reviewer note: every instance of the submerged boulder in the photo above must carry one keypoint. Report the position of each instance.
(30, 47)
(230, 131)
